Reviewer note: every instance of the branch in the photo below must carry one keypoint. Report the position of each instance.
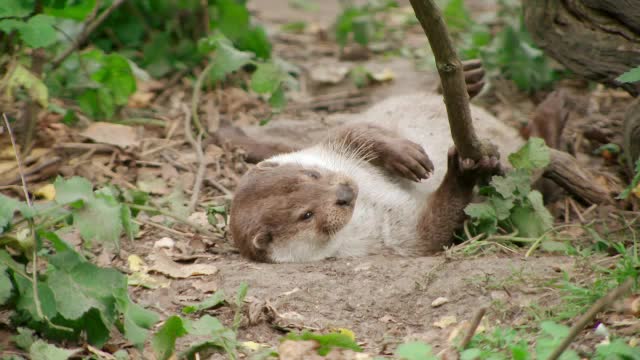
(589, 315)
(452, 77)
(88, 29)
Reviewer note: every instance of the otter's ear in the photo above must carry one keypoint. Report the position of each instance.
(262, 240)
(266, 165)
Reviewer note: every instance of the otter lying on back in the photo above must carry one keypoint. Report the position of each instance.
(368, 188)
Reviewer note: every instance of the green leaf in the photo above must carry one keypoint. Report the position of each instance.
(75, 10)
(8, 207)
(164, 341)
(9, 25)
(533, 155)
(40, 350)
(327, 341)
(26, 301)
(543, 216)
(617, 349)
(266, 79)
(502, 207)
(25, 338)
(556, 331)
(116, 74)
(630, 76)
(99, 220)
(233, 18)
(6, 287)
(525, 219)
(38, 31)
(456, 15)
(131, 229)
(137, 321)
(21, 77)
(470, 354)
(278, 99)
(242, 293)
(256, 41)
(227, 58)
(415, 351)
(481, 211)
(15, 8)
(214, 300)
(73, 189)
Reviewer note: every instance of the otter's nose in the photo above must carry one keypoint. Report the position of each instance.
(345, 195)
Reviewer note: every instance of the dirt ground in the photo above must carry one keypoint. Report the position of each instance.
(384, 300)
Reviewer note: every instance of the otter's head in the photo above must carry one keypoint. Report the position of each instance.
(288, 212)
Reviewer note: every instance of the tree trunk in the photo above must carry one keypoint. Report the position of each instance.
(595, 39)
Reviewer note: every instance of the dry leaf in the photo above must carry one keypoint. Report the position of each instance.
(47, 192)
(166, 266)
(445, 321)
(384, 75)
(439, 302)
(113, 134)
(329, 73)
(165, 243)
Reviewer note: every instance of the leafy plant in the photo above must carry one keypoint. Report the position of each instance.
(217, 336)
(326, 341)
(359, 23)
(509, 52)
(511, 203)
(73, 297)
(630, 76)
(634, 187)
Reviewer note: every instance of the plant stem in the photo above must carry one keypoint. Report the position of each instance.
(173, 216)
(451, 74)
(88, 29)
(589, 315)
(196, 97)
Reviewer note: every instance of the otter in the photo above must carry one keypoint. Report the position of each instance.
(389, 181)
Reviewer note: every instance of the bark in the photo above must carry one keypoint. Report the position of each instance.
(595, 39)
(631, 134)
(451, 73)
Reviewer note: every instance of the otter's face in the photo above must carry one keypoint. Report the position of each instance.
(288, 213)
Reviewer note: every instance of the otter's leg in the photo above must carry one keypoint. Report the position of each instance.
(444, 213)
(258, 150)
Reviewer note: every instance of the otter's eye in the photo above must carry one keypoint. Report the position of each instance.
(306, 216)
(312, 174)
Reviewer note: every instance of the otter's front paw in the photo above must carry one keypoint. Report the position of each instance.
(468, 171)
(405, 158)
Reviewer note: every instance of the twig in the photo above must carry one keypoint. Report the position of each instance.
(88, 29)
(173, 216)
(451, 74)
(574, 206)
(589, 315)
(197, 89)
(475, 322)
(202, 164)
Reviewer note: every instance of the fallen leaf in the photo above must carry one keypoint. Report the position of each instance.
(439, 302)
(47, 192)
(165, 243)
(153, 186)
(166, 266)
(445, 321)
(207, 286)
(140, 99)
(384, 75)
(329, 73)
(113, 134)
(135, 263)
(254, 346)
(199, 218)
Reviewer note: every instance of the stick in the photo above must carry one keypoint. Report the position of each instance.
(202, 163)
(589, 315)
(475, 322)
(89, 28)
(34, 258)
(451, 74)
